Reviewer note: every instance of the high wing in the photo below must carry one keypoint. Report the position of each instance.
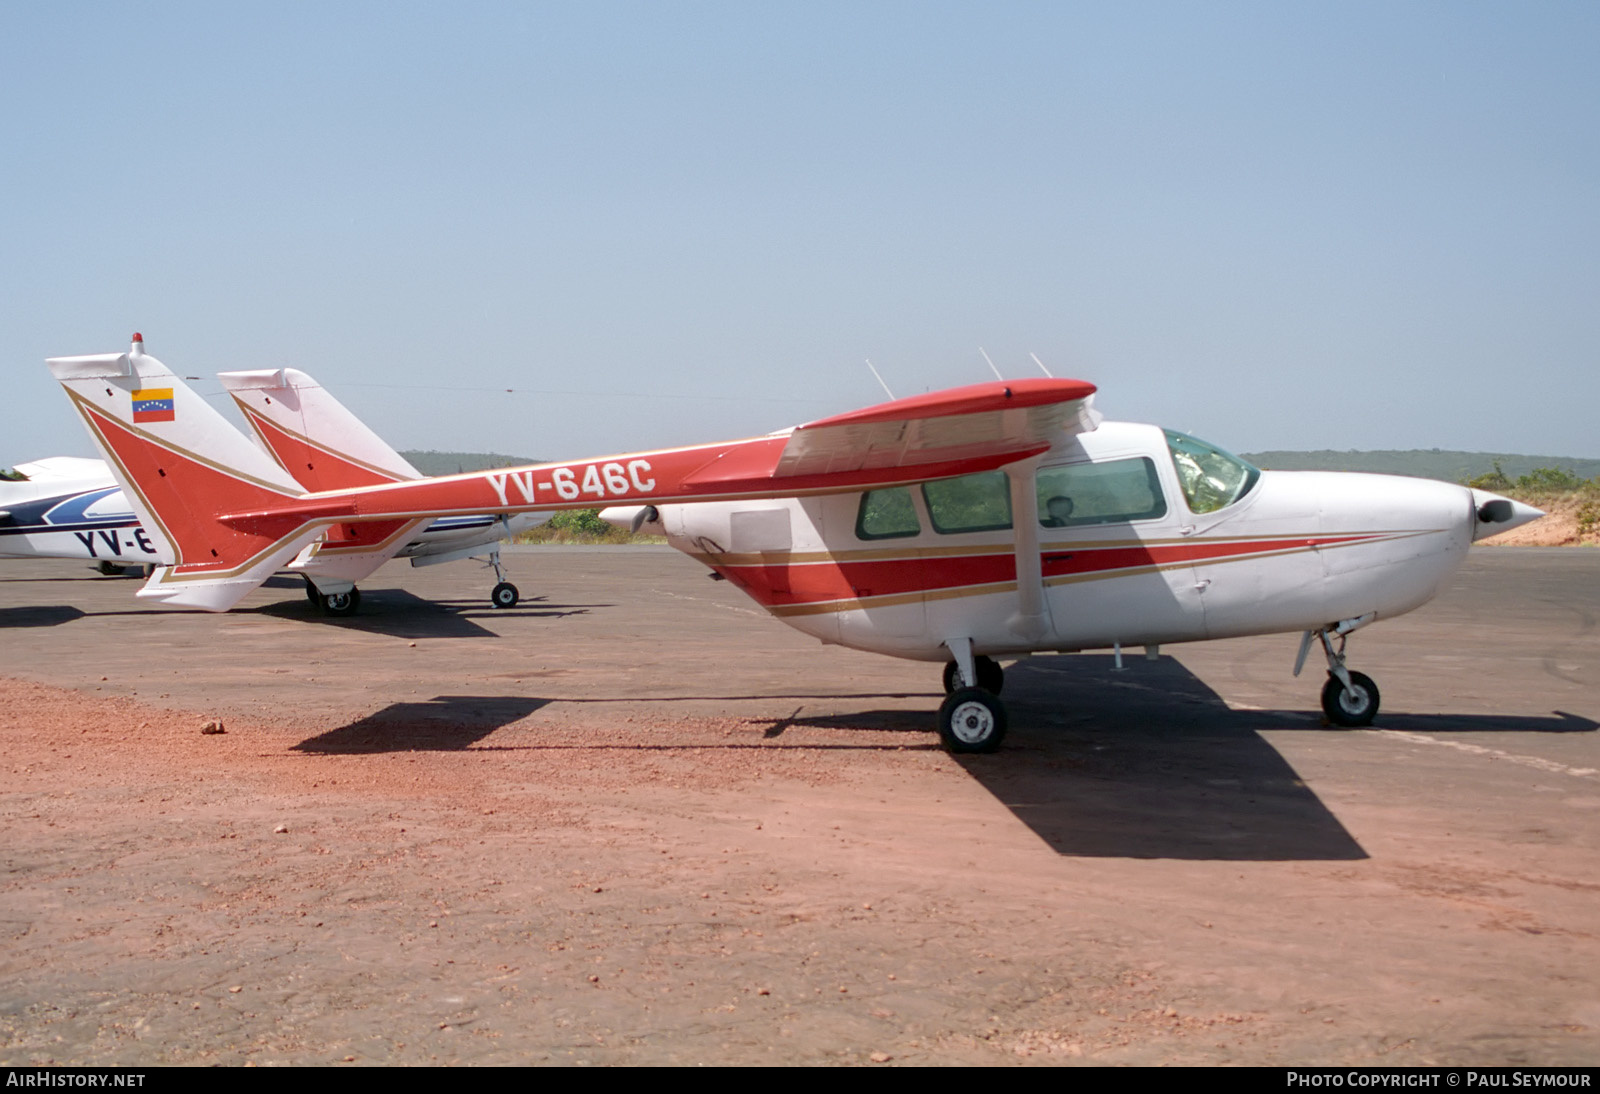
(232, 516)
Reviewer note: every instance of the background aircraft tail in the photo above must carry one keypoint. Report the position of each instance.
(183, 467)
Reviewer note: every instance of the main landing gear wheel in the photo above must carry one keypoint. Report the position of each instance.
(972, 720)
(111, 569)
(341, 603)
(1356, 707)
(311, 591)
(505, 595)
(991, 677)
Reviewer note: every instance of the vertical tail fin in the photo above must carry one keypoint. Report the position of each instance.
(311, 434)
(181, 466)
(319, 442)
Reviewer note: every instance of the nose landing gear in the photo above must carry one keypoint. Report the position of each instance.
(1352, 702)
(1348, 698)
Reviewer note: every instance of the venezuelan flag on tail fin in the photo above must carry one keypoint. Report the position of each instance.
(181, 466)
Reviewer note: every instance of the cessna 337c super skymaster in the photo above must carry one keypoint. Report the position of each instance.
(983, 522)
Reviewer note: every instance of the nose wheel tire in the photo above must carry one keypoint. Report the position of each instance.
(341, 603)
(972, 720)
(505, 595)
(1357, 707)
(991, 677)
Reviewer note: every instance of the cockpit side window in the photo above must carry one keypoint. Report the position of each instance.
(887, 514)
(1099, 493)
(972, 503)
(1211, 478)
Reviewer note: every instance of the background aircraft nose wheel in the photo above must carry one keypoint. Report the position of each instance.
(341, 603)
(1346, 709)
(505, 595)
(972, 720)
(991, 677)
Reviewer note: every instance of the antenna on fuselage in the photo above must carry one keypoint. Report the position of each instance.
(992, 369)
(885, 386)
(1040, 363)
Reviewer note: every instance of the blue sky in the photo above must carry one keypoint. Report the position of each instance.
(1274, 225)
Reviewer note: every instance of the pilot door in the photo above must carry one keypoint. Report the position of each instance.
(1113, 557)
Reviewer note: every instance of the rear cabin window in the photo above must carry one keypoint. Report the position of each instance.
(887, 514)
(1100, 493)
(972, 503)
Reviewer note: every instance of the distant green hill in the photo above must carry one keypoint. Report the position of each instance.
(1431, 463)
(453, 463)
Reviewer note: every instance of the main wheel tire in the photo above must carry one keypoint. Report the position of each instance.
(1346, 709)
(505, 595)
(972, 720)
(991, 677)
(311, 591)
(111, 569)
(341, 603)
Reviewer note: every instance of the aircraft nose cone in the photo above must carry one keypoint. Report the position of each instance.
(1496, 514)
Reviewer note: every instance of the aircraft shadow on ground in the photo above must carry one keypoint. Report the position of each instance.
(1559, 721)
(1149, 762)
(38, 615)
(445, 723)
(1144, 763)
(401, 614)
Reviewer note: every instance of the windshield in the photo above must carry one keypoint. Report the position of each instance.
(1210, 477)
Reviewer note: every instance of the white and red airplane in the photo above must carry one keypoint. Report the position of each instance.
(984, 522)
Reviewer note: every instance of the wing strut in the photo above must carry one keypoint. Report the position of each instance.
(1030, 621)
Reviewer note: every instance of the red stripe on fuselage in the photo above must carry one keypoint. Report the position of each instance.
(822, 580)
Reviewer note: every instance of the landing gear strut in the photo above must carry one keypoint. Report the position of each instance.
(971, 718)
(1348, 698)
(991, 677)
(504, 595)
